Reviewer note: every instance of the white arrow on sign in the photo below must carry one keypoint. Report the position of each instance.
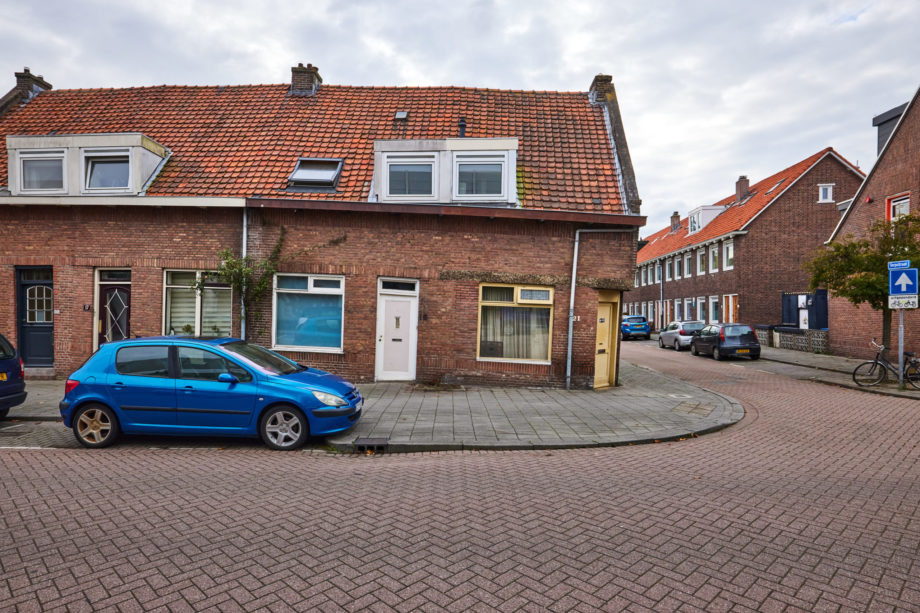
(904, 281)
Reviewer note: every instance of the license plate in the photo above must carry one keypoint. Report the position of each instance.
(743, 351)
(2, 376)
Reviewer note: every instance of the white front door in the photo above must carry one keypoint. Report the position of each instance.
(397, 329)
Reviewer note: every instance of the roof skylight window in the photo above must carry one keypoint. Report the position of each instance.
(401, 115)
(316, 173)
(780, 182)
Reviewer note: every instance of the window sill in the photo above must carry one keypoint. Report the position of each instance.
(514, 361)
(297, 349)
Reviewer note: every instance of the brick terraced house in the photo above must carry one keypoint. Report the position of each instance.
(429, 233)
(891, 188)
(733, 260)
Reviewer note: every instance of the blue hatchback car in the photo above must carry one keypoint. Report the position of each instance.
(12, 384)
(213, 387)
(635, 325)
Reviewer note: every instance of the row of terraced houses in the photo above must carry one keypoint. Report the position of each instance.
(740, 259)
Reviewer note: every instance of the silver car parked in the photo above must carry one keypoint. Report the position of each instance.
(678, 334)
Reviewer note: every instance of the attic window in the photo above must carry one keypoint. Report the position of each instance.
(106, 169)
(780, 182)
(316, 172)
(401, 115)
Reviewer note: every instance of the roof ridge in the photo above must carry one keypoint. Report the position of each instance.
(324, 86)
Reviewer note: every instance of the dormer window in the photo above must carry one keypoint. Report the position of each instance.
(411, 176)
(42, 171)
(479, 176)
(316, 173)
(694, 223)
(106, 170)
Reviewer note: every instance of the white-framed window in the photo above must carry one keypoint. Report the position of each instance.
(480, 176)
(644, 275)
(826, 192)
(190, 312)
(897, 206)
(106, 170)
(713, 309)
(515, 322)
(694, 222)
(308, 312)
(642, 308)
(688, 259)
(42, 171)
(701, 261)
(636, 283)
(669, 269)
(728, 255)
(678, 311)
(701, 308)
(410, 176)
(678, 267)
(688, 308)
(714, 258)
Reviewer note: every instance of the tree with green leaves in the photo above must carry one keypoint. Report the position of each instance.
(857, 269)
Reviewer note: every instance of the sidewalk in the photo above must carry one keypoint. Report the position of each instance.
(647, 407)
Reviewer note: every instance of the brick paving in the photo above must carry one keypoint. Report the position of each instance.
(810, 503)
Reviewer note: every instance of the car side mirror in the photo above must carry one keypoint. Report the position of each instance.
(696, 332)
(226, 377)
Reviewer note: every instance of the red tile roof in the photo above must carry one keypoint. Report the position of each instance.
(243, 141)
(735, 216)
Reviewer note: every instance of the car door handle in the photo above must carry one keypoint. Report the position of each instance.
(188, 388)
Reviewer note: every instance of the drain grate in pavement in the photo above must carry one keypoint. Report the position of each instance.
(366, 444)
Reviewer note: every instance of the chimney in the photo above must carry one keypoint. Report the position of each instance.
(27, 87)
(305, 80)
(742, 188)
(601, 88)
(675, 221)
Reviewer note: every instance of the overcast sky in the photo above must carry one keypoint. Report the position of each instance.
(708, 90)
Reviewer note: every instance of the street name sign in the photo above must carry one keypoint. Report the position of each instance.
(899, 265)
(902, 282)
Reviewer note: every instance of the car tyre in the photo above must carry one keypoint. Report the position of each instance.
(716, 355)
(95, 426)
(4, 413)
(693, 349)
(755, 357)
(284, 428)
(676, 345)
(660, 343)
(648, 337)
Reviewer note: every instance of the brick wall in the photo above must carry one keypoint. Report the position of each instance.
(75, 241)
(450, 257)
(898, 171)
(768, 259)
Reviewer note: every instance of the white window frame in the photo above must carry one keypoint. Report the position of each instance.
(658, 266)
(713, 300)
(688, 263)
(694, 222)
(678, 266)
(700, 265)
(897, 201)
(414, 159)
(479, 157)
(701, 306)
(198, 298)
(311, 290)
(644, 270)
(636, 282)
(669, 269)
(714, 261)
(43, 154)
(728, 255)
(825, 192)
(688, 309)
(87, 154)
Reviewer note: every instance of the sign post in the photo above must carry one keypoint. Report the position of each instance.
(902, 294)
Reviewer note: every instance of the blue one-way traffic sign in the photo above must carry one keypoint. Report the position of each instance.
(901, 282)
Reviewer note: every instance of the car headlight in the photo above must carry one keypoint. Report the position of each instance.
(330, 400)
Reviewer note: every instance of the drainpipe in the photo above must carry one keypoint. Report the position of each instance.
(568, 357)
(242, 304)
(660, 295)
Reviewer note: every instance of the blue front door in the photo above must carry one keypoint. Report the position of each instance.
(36, 316)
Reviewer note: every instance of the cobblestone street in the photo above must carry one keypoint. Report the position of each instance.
(809, 503)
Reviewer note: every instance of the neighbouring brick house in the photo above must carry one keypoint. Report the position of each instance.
(429, 232)
(890, 189)
(733, 260)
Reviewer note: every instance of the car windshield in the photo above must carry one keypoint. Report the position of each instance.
(263, 358)
(6, 349)
(737, 330)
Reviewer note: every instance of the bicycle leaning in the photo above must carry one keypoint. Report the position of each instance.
(875, 371)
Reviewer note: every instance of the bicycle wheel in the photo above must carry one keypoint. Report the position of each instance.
(912, 375)
(868, 373)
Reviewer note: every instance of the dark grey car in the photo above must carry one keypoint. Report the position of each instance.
(724, 340)
(12, 384)
(678, 334)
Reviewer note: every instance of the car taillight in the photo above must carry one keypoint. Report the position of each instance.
(70, 385)
(22, 369)
(722, 335)
(682, 333)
